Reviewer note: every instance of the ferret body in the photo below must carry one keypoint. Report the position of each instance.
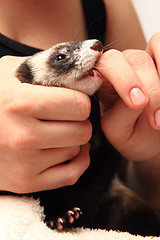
(104, 202)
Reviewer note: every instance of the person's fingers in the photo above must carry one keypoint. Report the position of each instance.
(116, 69)
(144, 66)
(53, 103)
(62, 134)
(46, 103)
(118, 123)
(130, 133)
(153, 49)
(64, 174)
(47, 158)
(54, 176)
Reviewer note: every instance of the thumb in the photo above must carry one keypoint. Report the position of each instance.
(8, 66)
(118, 124)
(107, 95)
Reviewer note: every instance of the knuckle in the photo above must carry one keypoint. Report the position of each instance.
(74, 173)
(18, 104)
(12, 61)
(84, 106)
(110, 54)
(113, 52)
(14, 102)
(154, 38)
(154, 93)
(22, 182)
(22, 141)
(72, 177)
(85, 133)
(87, 162)
(74, 152)
(138, 58)
(5, 59)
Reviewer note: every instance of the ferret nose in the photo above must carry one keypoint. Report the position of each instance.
(97, 46)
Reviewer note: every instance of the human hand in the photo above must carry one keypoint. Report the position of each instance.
(40, 128)
(132, 123)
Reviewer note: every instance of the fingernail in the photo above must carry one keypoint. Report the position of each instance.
(137, 97)
(157, 117)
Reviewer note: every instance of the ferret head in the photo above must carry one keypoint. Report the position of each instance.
(70, 64)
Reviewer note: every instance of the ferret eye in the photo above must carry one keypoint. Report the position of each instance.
(60, 57)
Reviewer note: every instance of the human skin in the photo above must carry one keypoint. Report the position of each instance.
(132, 123)
(41, 131)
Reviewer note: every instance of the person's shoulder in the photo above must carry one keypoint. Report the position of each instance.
(123, 5)
(123, 27)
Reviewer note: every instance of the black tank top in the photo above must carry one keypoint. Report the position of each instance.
(95, 17)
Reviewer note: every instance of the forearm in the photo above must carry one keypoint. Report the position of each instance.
(144, 178)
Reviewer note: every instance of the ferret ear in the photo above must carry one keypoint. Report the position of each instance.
(24, 73)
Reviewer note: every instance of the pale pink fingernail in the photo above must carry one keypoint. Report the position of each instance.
(137, 97)
(157, 117)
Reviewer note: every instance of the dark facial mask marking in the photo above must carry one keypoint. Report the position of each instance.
(24, 73)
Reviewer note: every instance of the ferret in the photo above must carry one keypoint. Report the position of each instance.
(69, 65)
(97, 200)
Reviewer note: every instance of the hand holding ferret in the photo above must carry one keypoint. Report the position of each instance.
(41, 127)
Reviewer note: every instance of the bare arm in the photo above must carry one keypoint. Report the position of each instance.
(123, 28)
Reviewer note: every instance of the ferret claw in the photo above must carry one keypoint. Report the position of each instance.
(50, 224)
(70, 216)
(66, 221)
(59, 224)
(77, 212)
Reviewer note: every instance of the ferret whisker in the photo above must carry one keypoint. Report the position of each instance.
(110, 45)
(96, 97)
(105, 48)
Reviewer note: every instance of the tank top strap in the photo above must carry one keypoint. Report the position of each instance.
(95, 16)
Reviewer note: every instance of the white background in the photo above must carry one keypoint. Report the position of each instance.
(149, 15)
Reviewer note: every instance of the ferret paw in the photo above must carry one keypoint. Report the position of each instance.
(66, 221)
